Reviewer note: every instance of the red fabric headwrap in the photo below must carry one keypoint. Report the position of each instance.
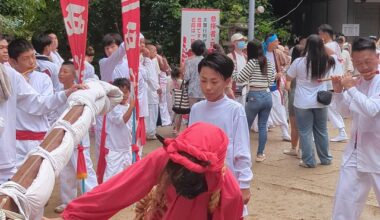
(203, 141)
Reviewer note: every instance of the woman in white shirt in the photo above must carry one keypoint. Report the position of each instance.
(311, 116)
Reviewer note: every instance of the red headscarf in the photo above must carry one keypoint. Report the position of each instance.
(210, 147)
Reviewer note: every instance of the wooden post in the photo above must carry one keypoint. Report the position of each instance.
(29, 170)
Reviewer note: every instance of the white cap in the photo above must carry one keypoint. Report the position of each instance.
(141, 36)
(237, 36)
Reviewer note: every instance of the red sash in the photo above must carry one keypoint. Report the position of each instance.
(29, 135)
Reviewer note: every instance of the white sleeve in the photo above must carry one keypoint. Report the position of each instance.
(342, 102)
(107, 65)
(362, 104)
(116, 116)
(242, 153)
(292, 71)
(33, 103)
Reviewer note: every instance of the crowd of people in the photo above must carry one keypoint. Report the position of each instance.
(256, 86)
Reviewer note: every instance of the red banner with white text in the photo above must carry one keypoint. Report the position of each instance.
(75, 16)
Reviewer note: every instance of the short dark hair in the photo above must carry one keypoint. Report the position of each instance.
(6, 37)
(218, 62)
(40, 41)
(122, 83)
(19, 46)
(112, 38)
(69, 63)
(268, 36)
(90, 51)
(198, 47)
(363, 43)
(326, 28)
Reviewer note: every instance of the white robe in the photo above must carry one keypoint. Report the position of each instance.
(360, 169)
(114, 66)
(56, 58)
(26, 98)
(25, 121)
(52, 70)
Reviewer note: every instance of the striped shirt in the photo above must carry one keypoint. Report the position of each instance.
(252, 73)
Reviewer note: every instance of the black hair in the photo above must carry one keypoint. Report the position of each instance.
(160, 50)
(122, 83)
(218, 62)
(363, 43)
(69, 63)
(90, 51)
(339, 40)
(187, 183)
(198, 47)
(19, 46)
(49, 32)
(326, 28)
(176, 72)
(317, 59)
(40, 41)
(217, 48)
(297, 52)
(112, 38)
(255, 51)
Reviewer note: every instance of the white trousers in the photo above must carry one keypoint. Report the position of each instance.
(6, 174)
(164, 111)
(116, 162)
(151, 120)
(352, 192)
(22, 150)
(69, 182)
(334, 116)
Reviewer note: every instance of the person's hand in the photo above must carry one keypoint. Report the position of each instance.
(348, 81)
(159, 91)
(246, 193)
(278, 75)
(337, 83)
(132, 102)
(75, 88)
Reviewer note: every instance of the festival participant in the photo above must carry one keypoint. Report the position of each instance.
(280, 61)
(153, 94)
(360, 170)
(294, 150)
(89, 70)
(68, 176)
(325, 32)
(215, 72)
(238, 42)
(346, 57)
(190, 178)
(4, 56)
(15, 89)
(175, 83)
(31, 128)
(259, 72)
(42, 44)
(191, 74)
(119, 132)
(55, 57)
(311, 115)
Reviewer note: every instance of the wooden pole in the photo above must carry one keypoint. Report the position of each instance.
(29, 170)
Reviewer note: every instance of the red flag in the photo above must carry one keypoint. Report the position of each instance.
(102, 153)
(131, 31)
(75, 16)
(81, 164)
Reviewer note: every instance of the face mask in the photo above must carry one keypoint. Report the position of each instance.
(241, 45)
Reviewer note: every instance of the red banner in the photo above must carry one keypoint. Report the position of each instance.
(130, 10)
(75, 16)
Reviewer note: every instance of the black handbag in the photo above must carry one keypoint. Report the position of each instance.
(324, 97)
(181, 103)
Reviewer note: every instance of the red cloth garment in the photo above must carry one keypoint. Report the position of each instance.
(29, 135)
(136, 182)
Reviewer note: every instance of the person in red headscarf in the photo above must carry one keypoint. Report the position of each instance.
(186, 179)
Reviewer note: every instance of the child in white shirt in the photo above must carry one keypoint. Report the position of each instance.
(119, 132)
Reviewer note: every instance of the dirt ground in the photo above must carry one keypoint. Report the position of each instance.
(280, 188)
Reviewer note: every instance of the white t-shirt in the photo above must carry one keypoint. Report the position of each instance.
(240, 61)
(334, 46)
(306, 89)
(119, 133)
(270, 57)
(229, 116)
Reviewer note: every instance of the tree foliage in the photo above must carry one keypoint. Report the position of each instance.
(160, 20)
